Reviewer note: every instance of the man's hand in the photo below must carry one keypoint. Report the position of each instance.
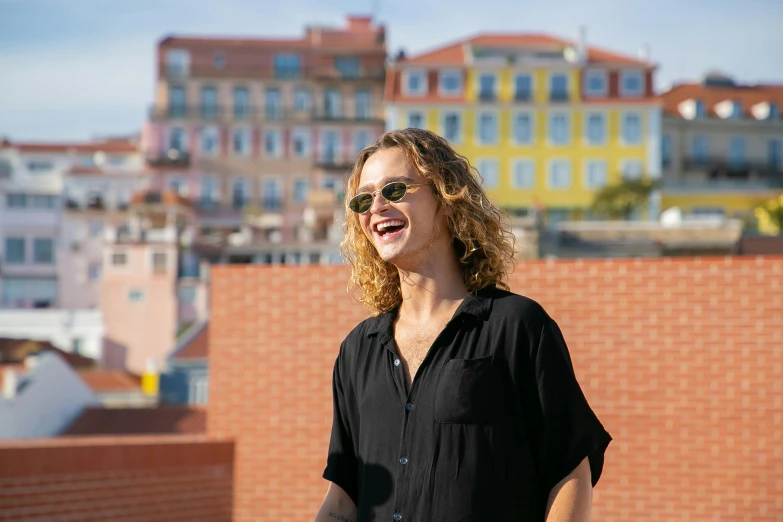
(571, 499)
(337, 506)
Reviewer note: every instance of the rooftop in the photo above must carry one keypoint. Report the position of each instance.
(138, 421)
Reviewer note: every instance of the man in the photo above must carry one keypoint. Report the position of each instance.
(457, 400)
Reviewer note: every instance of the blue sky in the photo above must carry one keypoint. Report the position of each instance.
(73, 69)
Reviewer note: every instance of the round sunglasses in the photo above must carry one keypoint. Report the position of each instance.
(391, 192)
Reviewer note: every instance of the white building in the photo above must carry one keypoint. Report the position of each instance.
(75, 331)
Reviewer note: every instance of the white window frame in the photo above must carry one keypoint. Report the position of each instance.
(628, 72)
(532, 115)
(480, 163)
(596, 73)
(586, 136)
(460, 127)
(278, 182)
(550, 164)
(178, 55)
(442, 75)
(249, 141)
(550, 83)
(202, 135)
(494, 114)
(126, 267)
(532, 85)
(405, 86)
(215, 197)
(623, 116)
(278, 152)
(306, 190)
(586, 173)
(549, 128)
(338, 149)
(495, 86)
(624, 168)
(185, 140)
(513, 173)
(247, 190)
(307, 134)
(418, 112)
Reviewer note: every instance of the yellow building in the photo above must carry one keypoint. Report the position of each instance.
(546, 122)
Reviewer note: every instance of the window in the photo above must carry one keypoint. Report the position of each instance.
(523, 87)
(16, 200)
(209, 108)
(415, 82)
(450, 82)
(40, 165)
(595, 128)
(523, 174)
(522, 130)
(331, 145)
(177, 101)
(177, 63)
(119, 259)
(272, 103)
(177, 140)
(363, 106)
(415, 120)
(94, 271)
(487, 87)
(240, 193)
(631, 84)
(186, 294)
(210, 141)
(700, 149)
(632, 128)
(96, 227)
(273, 142)
(347, 66)
(5, 168)
(666, 151)
(37, 292)
(488, 168)
(135, 295)
(632, 169)
(43, 251)
(77, 345)
(361, 139)
(452, 128)
(595, 174)
(241, 141)
(300, 190)
(241, 103)
(272, 195)
(198, 390)
(301, 142)
(488, 128)
(736, 110)
(774, 111)
(559, 128)
(301, 99)
(176, 184)
(209, 191)
(558, 87)
(41, 201)
(332, 105)
(595, 83)
(219, 62)
(559, 174)
(700, 109)
(774, 153)
(14, 250)
(287, 66)
(159, 262)
(737, 150)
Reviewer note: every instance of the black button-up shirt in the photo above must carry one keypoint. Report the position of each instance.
(493, 420)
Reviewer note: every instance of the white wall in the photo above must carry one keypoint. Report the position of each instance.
(52, 398)
(57, 326)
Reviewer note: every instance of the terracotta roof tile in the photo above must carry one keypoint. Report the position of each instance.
(107, 381)
(118, 146)
(747, 95)
(197, 347)
(136, 421)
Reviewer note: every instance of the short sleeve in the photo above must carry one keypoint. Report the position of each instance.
(566, 430)
(341, 464)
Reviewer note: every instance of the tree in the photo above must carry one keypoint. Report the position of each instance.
(770, 216)
(619, 201)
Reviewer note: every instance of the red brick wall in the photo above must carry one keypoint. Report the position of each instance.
(681, 358)
(130, 479)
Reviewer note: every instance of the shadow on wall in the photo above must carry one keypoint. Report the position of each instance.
(114, 355)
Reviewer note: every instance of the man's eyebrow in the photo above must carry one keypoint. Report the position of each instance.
(369, 187)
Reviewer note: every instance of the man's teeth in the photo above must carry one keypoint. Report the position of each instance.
(386, 224)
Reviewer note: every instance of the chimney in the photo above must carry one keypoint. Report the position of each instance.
(400, 55)
(10, 383)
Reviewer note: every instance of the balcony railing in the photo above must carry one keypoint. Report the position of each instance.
(321, 72)
(722, 167)
(558, 96)
(342, 112)
(169, 158)
(720, 185)
(522, 96)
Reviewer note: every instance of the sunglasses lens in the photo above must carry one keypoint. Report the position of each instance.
(394, 191)
(361, 203)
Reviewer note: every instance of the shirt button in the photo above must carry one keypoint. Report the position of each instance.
(403, 460)
(409, 406)
(396, 362)
(397, 517)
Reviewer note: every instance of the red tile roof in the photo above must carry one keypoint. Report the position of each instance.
(113, 146)
(109, 381)
(747, 95)
(16, 350)
(197, 347)
(136, 421)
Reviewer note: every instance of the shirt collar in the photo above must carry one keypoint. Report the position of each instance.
(478, 304)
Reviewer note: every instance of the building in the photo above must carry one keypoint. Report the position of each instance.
(74, 331)
(186, 378)
(722, 146)
(173, 420)
(546, 121)
(254, 130)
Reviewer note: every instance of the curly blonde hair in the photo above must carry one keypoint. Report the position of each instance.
(483, 241)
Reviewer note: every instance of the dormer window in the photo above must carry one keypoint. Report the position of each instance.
(631, 84)
(692, 109)
(729, 109)
(415, 82)
(766, 111)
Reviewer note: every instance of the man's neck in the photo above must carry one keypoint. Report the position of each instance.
(433, 289)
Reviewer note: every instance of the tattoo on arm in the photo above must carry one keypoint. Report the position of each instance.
(341, 518)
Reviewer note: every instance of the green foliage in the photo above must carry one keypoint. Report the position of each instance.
(619, 201)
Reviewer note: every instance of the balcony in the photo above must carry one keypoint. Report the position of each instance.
(487, 96)
(337, 112)
(522, 96)
(724, 168)
(170, 158)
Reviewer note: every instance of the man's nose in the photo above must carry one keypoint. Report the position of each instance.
(379, 203)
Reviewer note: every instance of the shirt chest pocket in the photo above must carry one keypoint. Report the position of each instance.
(465, 392)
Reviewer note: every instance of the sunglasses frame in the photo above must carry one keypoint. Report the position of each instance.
(380, 191)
